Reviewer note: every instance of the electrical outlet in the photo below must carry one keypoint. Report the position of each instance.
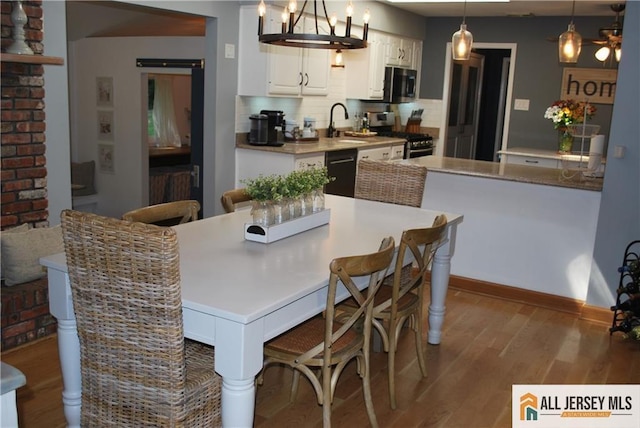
(229, 51)
(520, 104)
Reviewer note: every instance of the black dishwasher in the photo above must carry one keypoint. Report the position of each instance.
(341, 164)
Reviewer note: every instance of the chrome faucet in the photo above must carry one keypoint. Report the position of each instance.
(331, 129)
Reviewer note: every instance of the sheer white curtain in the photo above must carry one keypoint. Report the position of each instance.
(164, 116)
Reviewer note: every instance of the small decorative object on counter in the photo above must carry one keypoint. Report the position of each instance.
(626, 311)
(568, 112)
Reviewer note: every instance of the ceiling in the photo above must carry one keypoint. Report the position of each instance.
(116, 19)
(512, 8)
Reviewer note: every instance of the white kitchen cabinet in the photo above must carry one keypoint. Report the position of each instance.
(378, 153)
(532, 161)
(397, 151)
(399, 51)
(304, 162)
(278, 70)
(365, 69)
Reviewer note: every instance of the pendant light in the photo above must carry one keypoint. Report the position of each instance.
(570, 42)
(462, 40)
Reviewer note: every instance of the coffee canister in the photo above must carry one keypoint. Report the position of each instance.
(258, 134)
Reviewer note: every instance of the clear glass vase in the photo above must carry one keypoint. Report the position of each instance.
(318, 200)
(281, 212)
(262, 213)
(306, 204)
(565, 140)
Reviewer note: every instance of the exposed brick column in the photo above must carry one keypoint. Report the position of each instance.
(24, 183)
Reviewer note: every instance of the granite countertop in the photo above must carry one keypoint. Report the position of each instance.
(325, 145)
(511, 172)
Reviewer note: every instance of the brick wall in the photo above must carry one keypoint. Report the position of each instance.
(25, 307)
(24, 173)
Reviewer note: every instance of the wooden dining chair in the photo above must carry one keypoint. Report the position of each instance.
(137, 368)
(400, 299)
(393, 182)
(166, 214)
(321, 347)
(231, 198)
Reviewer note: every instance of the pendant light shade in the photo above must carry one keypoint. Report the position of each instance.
(461, 43)
(462, 40)
(570, 42)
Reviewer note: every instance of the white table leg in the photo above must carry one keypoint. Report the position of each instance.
(440, 269)
(238, 402)
(69, 350)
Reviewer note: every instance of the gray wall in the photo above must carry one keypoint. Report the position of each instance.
(538, 74)
(619, 220)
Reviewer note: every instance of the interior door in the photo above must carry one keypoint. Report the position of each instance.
(464, 106)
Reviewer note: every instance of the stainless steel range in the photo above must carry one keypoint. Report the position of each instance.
(416, 144)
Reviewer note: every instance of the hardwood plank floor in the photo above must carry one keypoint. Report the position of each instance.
(487, 346)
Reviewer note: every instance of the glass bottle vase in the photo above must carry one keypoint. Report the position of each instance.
(565, 140)
(262, 213)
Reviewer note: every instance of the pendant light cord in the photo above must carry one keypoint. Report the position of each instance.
(464, 11)
(573, 10)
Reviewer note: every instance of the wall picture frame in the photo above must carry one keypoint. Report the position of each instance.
(104, 91)
(106, 158)
(105, 125)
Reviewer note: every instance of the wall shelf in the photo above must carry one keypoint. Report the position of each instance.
(32, 59)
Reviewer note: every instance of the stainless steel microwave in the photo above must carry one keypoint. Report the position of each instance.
(399, 85)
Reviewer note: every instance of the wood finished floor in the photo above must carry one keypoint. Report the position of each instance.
(487, 345)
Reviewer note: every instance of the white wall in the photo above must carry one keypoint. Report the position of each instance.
(116, 58)
(57, 112)
(523, 235)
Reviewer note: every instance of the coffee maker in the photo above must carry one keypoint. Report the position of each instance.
(267, 128)
(275, 124)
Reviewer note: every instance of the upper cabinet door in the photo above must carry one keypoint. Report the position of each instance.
(285, 63)
(316, 63)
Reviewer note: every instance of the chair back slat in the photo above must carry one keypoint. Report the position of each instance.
(231, 198)
(166, 214)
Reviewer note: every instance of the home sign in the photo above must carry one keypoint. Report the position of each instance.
(596, 85)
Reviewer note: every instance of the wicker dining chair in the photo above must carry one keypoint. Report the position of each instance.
(321, 347)
(166, 214)
(137, 368)
(231, 198)
(402, 294)
(393, 182)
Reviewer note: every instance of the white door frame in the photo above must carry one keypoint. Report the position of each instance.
(439, 151)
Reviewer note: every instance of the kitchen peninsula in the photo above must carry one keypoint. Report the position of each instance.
(527, 227)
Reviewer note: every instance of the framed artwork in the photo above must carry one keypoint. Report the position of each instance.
(106, 158)
(104, 91)
(105, 125)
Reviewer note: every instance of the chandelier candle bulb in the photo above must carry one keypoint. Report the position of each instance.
(262, 9)
(365, 18)
(349, 14)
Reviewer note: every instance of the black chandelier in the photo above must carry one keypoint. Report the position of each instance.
(287, 37)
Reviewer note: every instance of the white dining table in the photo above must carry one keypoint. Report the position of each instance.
(237, 294)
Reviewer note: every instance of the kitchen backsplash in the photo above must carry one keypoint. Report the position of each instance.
(319, 107)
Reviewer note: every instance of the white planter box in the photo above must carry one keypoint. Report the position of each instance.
(266, 234)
